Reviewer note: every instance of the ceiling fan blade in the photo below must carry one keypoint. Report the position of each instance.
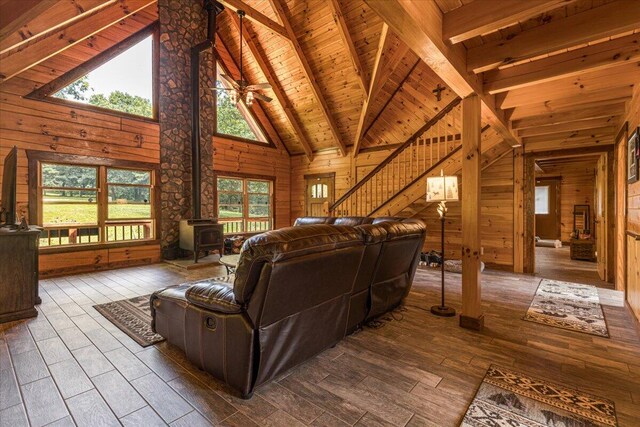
(229, 80)
(261, 97)
(221, 88)
(259, 86)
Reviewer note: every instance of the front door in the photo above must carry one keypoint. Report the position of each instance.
(548, 208)
(319, 194)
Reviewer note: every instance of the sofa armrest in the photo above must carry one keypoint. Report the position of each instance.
(213, 296)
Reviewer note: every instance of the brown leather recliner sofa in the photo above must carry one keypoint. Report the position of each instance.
(297, 291)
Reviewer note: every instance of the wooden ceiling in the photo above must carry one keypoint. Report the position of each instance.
(353, 75)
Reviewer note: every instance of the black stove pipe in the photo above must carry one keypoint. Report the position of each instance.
(213, 9)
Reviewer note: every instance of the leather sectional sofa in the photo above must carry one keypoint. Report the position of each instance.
(297, 291)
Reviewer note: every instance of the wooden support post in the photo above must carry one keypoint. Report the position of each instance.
(471, 316)
(529, 252)
(518, 210)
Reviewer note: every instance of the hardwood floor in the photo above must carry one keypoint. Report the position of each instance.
(72, 366)
(552, 263)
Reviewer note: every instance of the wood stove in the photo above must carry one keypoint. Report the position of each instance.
(201, 235)
(198, 234)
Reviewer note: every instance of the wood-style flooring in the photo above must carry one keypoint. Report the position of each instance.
(71, 366)
(552, 263)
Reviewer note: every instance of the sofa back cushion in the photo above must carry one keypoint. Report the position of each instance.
(351, 220)
(313, 220)
(397, 263)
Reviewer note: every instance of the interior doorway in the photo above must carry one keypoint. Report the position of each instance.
(319, 194)
(571, 218)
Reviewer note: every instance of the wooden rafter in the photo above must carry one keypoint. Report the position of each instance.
(571, 115)
(604, 21)
(255, 16)
(573, 86)
(256, 110)
(15, 14)
(279, 8)
(57, 15)
(383, 66)
(600, 56)
(485, 16)
(419, 24)
(338, 17)
(279, 93)
(43, 48)
(570, 126)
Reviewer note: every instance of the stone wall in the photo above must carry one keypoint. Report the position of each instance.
(183, 23)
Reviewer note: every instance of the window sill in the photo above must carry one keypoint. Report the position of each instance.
(97, 246)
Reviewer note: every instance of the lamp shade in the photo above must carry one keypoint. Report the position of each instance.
(442, 188)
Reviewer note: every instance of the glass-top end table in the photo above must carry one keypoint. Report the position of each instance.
(230, 262)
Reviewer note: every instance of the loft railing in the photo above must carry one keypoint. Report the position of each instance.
(424, 150)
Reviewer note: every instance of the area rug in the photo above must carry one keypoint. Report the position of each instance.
(133, 316)
(566, 305)
(510, 398)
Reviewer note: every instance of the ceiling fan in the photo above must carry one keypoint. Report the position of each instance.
(241, 89)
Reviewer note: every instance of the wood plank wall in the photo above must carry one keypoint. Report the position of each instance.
(496, 218)
(577, 187)
(37, 125)
(253, 159)
(633, 216)
(496, 202)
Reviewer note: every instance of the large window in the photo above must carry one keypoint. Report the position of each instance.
(245, 204)
(86, 204)
(234, 118)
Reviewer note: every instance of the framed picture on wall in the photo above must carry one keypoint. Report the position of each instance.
(633, 156)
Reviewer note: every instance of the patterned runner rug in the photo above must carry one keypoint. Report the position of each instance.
(133, 316)
(509, 398)
(566, 305)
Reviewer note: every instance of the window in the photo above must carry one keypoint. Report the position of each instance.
(319, 191)
(542, 200)
(234, 119)
(86, 204)
(245, 204)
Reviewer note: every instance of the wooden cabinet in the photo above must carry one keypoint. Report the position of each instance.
(18, 273)
(583, 249)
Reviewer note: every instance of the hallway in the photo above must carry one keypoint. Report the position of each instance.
(552, 263)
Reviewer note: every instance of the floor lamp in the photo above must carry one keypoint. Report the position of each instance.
(442, 189)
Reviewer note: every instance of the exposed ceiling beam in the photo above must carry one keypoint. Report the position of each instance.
(603, 132)
(384, 65)
(582, 144)
(569, 116)
(485, 16)
(41, 49)
(17, 13)
(57, 15)
(279, 93)
(597, 23)
(338, 18)
(255, 16)
(419, 25)
(570, 126)
(600, 56)
(607, 96)
(259, 113)
(542, 109)
(279, 8)
(582, 85)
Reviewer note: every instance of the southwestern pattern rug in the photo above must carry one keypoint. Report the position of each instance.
(566, 305)
(133, 316)
(511, 399)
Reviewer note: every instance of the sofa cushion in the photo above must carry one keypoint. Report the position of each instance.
(351, 220)
(313, 220)
(286, 243)
(214, 296)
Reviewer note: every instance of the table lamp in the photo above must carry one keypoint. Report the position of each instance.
(442, 189)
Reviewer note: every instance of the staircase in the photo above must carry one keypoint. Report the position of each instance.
(400, 179)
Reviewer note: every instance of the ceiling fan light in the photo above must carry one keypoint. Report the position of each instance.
(233, 95)
(249, 99)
